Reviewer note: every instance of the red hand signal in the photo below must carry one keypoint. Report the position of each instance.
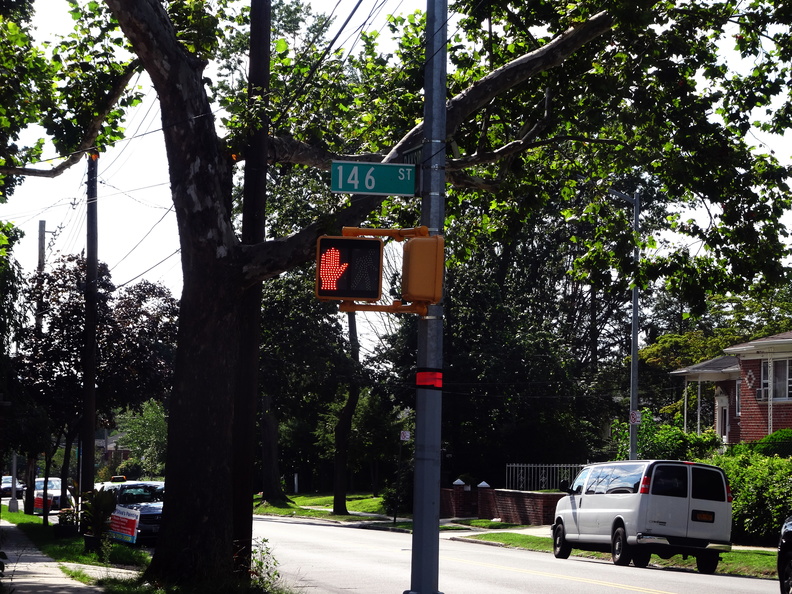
(330, 269)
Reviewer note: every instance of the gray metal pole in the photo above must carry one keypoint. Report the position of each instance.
(636, 201)
(426, 505)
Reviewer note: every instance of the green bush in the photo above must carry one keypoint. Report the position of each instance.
(397, 496)
(131, 468)
(762, 490)
(778, 443)
(657, 441)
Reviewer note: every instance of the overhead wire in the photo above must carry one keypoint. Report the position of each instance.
(165, 259)
(282, 111)
(358, 32)
(137, 245)
(152, 105)
(319, 32)
(316, 66)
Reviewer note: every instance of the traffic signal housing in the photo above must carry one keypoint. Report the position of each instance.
(349, 268)
(422, 269)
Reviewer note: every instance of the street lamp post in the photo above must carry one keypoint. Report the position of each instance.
(634, 419)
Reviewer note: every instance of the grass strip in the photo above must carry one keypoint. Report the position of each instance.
(72, 549)
(750, 563)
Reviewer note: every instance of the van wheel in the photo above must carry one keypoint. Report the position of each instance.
(561, 547)
(640, 558)
(707, 562)
(620, 550)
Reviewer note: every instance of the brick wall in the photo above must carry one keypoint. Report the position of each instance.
(446, 504)
(514, 507)
(753, 422)
(525, 507)
(461, 501)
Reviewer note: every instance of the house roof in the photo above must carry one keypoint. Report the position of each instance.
(728, 366)
(770, 344)
(717, 368)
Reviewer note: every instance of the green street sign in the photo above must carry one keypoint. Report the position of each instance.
(384, 179)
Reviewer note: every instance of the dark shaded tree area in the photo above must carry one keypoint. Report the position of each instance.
(136, 345)
(307, 373)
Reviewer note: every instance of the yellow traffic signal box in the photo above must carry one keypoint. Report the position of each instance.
(422, 269)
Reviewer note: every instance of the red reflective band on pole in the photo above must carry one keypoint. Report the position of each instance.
(429, 379)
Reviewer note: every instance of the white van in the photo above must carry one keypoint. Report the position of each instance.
(638, 508)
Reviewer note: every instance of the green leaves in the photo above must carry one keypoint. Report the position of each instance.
(145, 433)
(762, 490)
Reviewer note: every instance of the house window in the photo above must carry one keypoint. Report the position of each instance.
(781, 379)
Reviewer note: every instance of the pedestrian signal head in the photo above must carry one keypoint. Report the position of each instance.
(349, 268)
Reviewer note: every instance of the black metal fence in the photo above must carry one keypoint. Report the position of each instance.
(539, 477)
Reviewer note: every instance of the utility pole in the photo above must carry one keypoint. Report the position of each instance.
(634, 412)
(39, 300)
(429, 394)
(254, 209)
(635, 415)
(88, 428)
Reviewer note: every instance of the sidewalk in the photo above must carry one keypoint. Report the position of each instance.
(29, 571)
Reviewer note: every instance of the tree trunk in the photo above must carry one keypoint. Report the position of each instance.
(271, 488)
(30, 483)
(67, 450)
(196, 544)
(343, 428)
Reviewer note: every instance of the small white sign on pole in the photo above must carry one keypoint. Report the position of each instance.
(405, 436)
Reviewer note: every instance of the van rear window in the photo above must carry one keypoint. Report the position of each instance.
(708, 484)
(670, 480)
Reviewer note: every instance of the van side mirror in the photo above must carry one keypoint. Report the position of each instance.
(564, 486)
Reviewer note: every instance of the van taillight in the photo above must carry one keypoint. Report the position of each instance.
(728, 493)
(644, 490)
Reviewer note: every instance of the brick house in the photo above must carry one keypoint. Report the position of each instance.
(748, 405)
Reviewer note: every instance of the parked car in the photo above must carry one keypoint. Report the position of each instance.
(5, 489)
(638, 508)
(785, 557)
(145, 497)
(53, 493)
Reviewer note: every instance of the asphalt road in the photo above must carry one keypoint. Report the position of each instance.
(316, 557)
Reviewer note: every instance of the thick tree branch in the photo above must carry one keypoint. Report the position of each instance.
(288, 150)
(269, 259)
(91, 132)
(516, 72)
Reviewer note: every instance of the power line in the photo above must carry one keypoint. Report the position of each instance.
(165, 259)
(143, 238)
(315, 67)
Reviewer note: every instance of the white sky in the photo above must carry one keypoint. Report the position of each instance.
(137, 230)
